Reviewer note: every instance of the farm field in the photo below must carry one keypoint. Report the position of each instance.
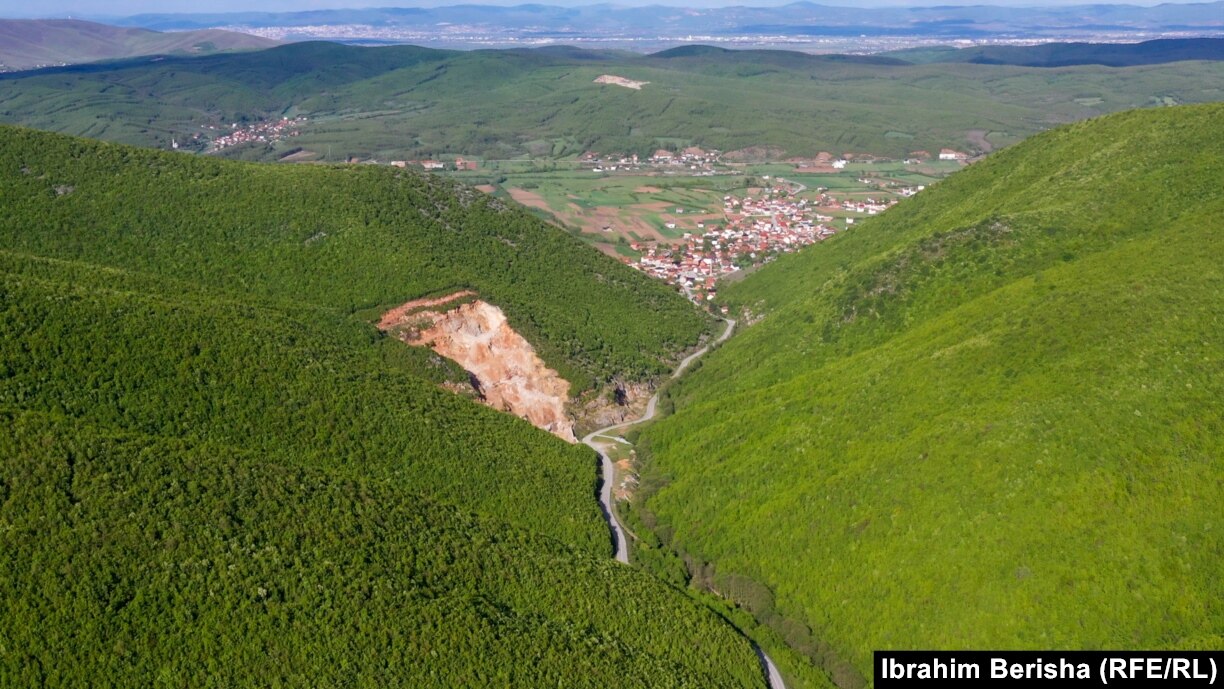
(613, 211)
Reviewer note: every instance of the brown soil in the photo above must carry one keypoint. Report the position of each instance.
(507, 373)
(396, 315)
(977, 137)
(529, 198)
(299, 157)
(754, 154)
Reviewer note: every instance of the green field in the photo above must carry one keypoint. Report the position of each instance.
(988, 418)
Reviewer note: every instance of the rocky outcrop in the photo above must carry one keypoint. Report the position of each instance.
(618, 402)
(506, 371)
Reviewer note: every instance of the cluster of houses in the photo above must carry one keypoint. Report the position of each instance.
(459, 164)
(260, 132)
(691, 159)
(756, 230)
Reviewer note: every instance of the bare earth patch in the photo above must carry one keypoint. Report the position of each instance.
(529, 198)
(397, 315)
(977, 137)
(620, 81)
(506, 371)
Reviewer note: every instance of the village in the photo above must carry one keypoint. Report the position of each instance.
(756, 230)
(692, 161)
(261, 132)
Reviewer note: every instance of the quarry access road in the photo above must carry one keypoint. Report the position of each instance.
(609, 472)
(593, 439)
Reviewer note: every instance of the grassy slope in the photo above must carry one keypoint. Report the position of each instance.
(348, 239)
(988, 418)
(224, 484)
(28, 43)
(405, 102)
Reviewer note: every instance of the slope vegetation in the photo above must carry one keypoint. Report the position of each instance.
(30, 43)
(211, 470)
(354, 239)
(989, 418)
(404, 102)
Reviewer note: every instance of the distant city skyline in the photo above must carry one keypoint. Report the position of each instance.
(96, 9)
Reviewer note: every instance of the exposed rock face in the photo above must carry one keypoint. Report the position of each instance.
(505, 369)
(616, 404)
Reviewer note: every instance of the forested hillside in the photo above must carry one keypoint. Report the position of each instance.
(405, 102)
(351, 239)
(989, 418)
(211, 470)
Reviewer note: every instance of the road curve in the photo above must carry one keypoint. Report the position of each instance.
(589, 439)
(608, 473)
(771, 671)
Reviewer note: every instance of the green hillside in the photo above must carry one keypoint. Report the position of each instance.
(404, 102)
(352, 239)
(30, 43)
(212, 473)
(988, 418)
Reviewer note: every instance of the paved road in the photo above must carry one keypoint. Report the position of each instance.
(592, 440)
(596, 440)
(771, 671)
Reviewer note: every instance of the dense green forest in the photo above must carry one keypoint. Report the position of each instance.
(989, 418)
(214, 473)
(350, 239)
(405, 102)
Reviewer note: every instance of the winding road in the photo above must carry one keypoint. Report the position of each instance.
(598, 438)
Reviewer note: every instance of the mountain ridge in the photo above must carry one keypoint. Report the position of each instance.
(32, 43)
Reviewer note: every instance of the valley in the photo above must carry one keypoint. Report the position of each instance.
(666, 204)
(338, 365)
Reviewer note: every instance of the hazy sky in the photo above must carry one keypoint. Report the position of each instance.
(119, 8)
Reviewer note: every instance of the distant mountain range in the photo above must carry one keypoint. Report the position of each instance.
(801, 18)
(31, 43)
(1066, 54)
